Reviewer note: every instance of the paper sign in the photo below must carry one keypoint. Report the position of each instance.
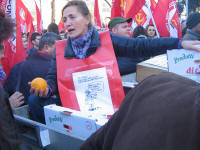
(92, 91)
(185, 63)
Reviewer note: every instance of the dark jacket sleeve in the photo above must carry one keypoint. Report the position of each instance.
(52, 76)
(12, 80)
(130, 47)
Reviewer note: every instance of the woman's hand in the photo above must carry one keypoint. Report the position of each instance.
(191, 45)
(16, 100)
(40, 93)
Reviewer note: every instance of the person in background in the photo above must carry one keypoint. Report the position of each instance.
(66, 35)
(53, 27)
(151, 31)
(44, 31)
(8, 130)
(25, 40)
(36, 64)
(84, 48)
(62, 35)
(105, 22)
(183, 27)
(193, 27)
(35, 38)
(139, 32)
(120, 26)
(98, 28)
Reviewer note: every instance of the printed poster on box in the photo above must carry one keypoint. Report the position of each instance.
(185, 63)
(93, 92)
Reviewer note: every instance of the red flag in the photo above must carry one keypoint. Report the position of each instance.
(117, 9)
(143, 17)
(132, 7)
(61, 26)
(39, 19)
(20, 51)
(153, 5)
(25, 20)
(24, 16)
(14, 54)
(97, 19)
(167, 19)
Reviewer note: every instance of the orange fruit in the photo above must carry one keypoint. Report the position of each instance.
(39, 83)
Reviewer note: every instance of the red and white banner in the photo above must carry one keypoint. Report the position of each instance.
(132, 7)
(143, 17)
(167, 19)
(25, 20)
(39, 19)
(117, 9)
(97, 19)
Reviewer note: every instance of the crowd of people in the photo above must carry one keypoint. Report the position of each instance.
(154, 115)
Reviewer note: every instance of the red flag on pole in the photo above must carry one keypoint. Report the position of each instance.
(39, 19)
(117, 9)
(25, 20)
(20, 51)
(143, 17)
(97, 19)
(132, 7)
(167, 19)
(153, 5)
(15, 53)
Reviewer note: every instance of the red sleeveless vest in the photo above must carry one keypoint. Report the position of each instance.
(80, 81)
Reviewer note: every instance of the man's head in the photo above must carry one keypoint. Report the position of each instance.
(120, 26)
(53, 28)
(35, 38)
(193, 22)
(47, 42)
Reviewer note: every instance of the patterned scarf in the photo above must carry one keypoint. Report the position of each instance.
(81, 45)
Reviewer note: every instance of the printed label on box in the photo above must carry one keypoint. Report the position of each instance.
(185, 63)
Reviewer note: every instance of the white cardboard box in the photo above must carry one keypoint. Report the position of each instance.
(73, 122)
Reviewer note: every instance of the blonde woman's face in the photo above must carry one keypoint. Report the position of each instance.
(75, 23)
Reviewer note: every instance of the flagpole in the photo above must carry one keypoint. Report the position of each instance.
(157, 33)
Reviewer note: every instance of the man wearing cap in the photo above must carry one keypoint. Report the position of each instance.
(119, 26)
(193, 27)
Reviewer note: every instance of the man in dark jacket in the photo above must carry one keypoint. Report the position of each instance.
(37, 64)
(161, 113)
(120, 26)
(193, 27)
